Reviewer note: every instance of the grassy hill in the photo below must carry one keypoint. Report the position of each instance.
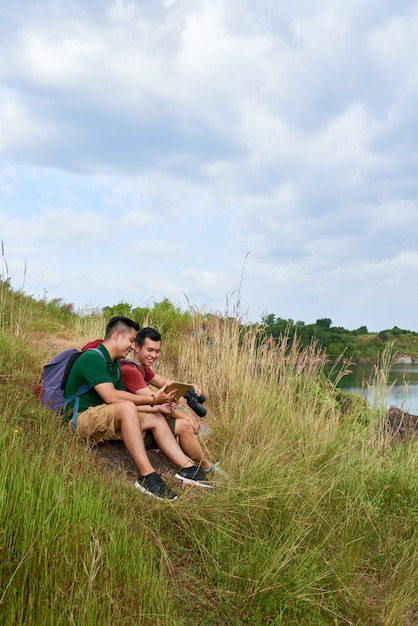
(316, 525)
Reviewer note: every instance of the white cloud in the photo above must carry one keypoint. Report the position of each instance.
(17, 128)
(7, 179)
(206, 280)
(146, 148)
(400, 32)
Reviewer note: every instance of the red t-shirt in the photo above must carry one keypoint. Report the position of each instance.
(133, 378)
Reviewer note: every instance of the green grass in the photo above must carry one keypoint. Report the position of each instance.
(317, 524)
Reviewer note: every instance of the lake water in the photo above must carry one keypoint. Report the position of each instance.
(402, 385)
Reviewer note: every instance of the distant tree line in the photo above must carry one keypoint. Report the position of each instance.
(358, 344)
(335, 339)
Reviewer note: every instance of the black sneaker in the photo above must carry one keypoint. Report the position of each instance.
(154, 486)
(193, 476)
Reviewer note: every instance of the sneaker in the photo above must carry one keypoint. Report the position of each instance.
(193, 476)
(153, 485)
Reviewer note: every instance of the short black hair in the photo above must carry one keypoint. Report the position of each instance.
(147, 333)
(120, 322)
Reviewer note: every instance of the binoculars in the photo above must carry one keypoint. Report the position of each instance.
(195, 402)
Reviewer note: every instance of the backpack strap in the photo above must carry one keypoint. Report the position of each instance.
(128, 361)
(76, 396)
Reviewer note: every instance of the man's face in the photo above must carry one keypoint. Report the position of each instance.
(149, 353)
(125, 342)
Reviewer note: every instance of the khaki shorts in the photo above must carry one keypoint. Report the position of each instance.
(97, 423)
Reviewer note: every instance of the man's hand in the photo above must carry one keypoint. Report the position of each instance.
(167, 408)
(197, 389)
(194, 423)
(161, 397)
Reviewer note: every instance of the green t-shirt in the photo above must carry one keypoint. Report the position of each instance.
(94, 369)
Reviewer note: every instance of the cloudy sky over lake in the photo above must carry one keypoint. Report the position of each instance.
(219, 153)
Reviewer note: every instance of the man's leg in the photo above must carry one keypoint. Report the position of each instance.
(122, 421)
(126, 420)
(166, 441)
(189, 443)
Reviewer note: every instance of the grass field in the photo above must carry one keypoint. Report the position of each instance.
(316, 525)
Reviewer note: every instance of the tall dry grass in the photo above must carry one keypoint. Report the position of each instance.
(315, 525)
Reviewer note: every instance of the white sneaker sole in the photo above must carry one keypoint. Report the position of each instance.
(197, 483)
(138, 485)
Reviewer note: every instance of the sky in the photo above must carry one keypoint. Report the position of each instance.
(236, 157)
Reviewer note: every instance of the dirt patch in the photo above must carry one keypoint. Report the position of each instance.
(49, 344)
(114, 455)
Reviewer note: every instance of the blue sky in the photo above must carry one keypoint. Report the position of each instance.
(224, 154)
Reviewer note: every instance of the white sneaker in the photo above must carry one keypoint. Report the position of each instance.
(216, 469)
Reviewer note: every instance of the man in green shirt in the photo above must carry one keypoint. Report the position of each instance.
(108, 412)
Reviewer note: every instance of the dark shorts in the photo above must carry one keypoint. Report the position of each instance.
(149, 441)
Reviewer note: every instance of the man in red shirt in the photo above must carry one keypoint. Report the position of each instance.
(137, 374)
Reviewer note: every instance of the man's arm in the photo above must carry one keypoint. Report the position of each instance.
(174, 413)
(110, 395)
(159, 381)
(134, 380)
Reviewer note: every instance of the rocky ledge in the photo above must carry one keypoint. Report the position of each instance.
(400, 424)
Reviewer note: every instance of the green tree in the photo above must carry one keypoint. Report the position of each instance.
(324, 323)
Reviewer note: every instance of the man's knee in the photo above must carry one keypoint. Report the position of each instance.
(125, 409)
(153, 421)
(183, 427)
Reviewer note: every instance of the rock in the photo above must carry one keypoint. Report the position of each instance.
(401, 424)
(403, 358)
(115, 455)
